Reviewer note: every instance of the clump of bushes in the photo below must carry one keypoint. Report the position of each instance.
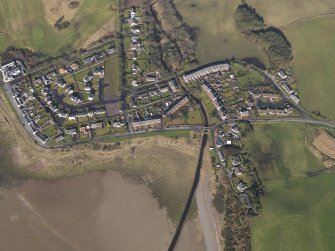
(61, 24)
(269, 39)
(73, 4)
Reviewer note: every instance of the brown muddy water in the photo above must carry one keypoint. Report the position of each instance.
(89, 212)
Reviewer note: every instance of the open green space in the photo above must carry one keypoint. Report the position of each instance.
(284, 12)
(25, 25)
(217, 35)
(297, 210)
(112, 78)
(314, 63)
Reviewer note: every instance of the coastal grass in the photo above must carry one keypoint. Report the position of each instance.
(216, 33)
(297, 210)
(166, 164)
(314, 62)
(285, 12)
(25, 25)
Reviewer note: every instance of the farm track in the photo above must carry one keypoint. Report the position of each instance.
(286, 26)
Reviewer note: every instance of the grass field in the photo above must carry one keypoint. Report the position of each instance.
(25, 25)
(314, 62)
(284, 12)
(218, 37)
(297, 210)
(112, 78)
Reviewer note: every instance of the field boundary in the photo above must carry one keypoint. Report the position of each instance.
(287, 26)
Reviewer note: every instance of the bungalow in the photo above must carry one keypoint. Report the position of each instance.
(282, 74)
(72, 117)
(61, 83)
(69, 90)
(74, 66)
(59, 138)
(163, 89)
(98, 70)
(90, 96)
(110, 50)
(12, 70)
(87, 87)
(96, 125)
(117, 124)
(135, 30)
(236, 160)
(287, 87)
(71, 131)
(81, 114)
(88, 60)
(173, 85)
(295, 98)
(134, 39)
(135, 68)
(63, 70)
(221, 156)
(132, 12)
(244, 113)
(99, 111)
(241, 186)
(87, 78)
(62, 114)
(41, 138)
(99, 55)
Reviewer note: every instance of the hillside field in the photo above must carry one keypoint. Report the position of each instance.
(297, 210)
(217, 35)
(285, 12)
(314, 62)
(25, 25)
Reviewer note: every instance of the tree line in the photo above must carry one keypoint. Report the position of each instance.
(270, 39)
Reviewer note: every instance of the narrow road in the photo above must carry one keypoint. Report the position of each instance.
(208, 216)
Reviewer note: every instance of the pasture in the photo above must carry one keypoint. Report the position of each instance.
(217, 35)
(26, 25)
(284, 12)
(314, 62)
(297, 210)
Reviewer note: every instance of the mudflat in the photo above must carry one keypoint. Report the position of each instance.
(90, 212)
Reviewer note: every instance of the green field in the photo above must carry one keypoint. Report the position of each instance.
(297, 210)
(112, 77)
(218, 37)
(24, 25)
(314, 62)
(284, 12)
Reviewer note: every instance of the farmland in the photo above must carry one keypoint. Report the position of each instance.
(285, 12)
(314, 62)
(297, 209)
(25, 25)
(216, 32)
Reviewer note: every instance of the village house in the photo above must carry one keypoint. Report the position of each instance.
(177, 105)
(12, 70)
(205, 71)
(282, 74)
(145, 124)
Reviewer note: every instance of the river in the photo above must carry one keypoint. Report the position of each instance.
(89, 212)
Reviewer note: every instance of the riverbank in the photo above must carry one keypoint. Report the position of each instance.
(166, 165)
(88, 212)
